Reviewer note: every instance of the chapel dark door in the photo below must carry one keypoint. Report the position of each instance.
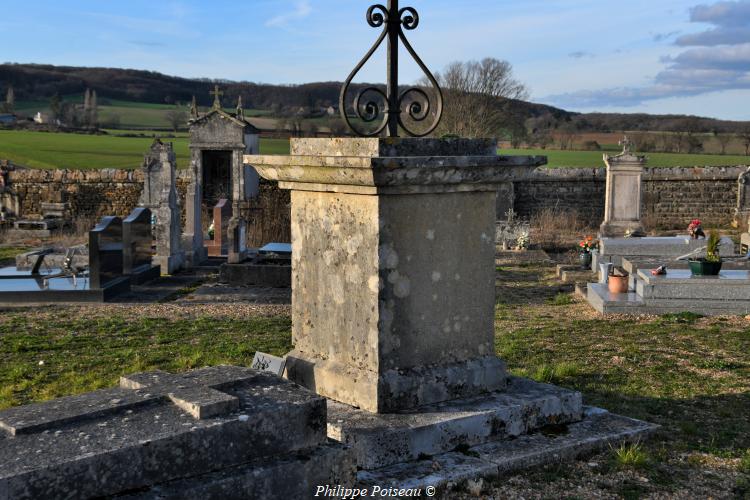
(217, 177)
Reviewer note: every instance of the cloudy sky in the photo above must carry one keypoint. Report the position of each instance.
(656, 56)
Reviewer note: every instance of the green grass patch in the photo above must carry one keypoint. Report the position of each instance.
(561, 299)
(594, 158)
(78, 151)
(68, 352)
(9, 253)
(630, 455)
(745, 462)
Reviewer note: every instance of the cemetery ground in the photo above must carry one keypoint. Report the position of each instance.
(691, 375)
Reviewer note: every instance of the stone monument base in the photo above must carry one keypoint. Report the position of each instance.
(396, 389)
(528, 424)
(170, 264)
(620, 229)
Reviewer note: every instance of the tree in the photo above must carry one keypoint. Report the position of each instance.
(94, 111)
(723, 140)
(474, 92)
(55, 107)
(10, 100)
(745, 138)
(177, 117)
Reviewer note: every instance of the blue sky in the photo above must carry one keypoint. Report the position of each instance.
(657, 56)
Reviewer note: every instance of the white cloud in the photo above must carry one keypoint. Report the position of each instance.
(301, 10)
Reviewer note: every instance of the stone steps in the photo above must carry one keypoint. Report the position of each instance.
(379, 440)
(598, 430)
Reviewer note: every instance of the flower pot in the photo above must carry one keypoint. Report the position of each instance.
(618, 284)
(585, 259)
(705, 268)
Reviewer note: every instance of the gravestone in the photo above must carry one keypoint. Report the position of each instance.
(622, 209)
(385, 317)
(153, 178)
(10, 203)
(105, 252)
(214, 433)
(137, 240)
(170, 256)
(222, 213)
(218, 141)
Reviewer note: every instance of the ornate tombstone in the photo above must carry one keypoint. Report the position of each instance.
(170, 256)
(218, 141)
(137, 239)
(622, 210)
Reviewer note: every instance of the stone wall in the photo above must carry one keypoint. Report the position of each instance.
(96, 193)
(671, 196)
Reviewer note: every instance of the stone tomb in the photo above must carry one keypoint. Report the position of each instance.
(385, 317)
(677, 291)
(137, 241)
(271, 267)
(667, 248)
(393, 289)
(222, 213)
(215, 433)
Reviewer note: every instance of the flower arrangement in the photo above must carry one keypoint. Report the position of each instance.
(695, 228)
(588, 245)
(211, 231)
(522, 243)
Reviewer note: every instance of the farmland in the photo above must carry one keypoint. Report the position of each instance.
(590, 159)
(78, 151)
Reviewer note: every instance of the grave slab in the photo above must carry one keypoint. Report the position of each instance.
(156, 428)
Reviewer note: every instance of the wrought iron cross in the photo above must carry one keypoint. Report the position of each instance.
(390, 104)
(217, 94)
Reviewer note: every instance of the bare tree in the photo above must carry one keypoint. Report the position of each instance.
(745, 138)
(10, 100)
(723, 140)
(177, 117)
(473, 94)
(94, 111)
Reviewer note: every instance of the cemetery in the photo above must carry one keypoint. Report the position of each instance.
(384, 312)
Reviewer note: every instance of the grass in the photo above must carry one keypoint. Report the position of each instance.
(9, 253)
(78, 151)
(591, 159)
(49, 354)
(630, 455)
(689, 374)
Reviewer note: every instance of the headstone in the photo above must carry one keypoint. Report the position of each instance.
(153, 178)
(10, 203)
(385, 317)
(622, 210)
(222, 212)
(105, 252)
(215, 433)
(137, 240)
(170, 256)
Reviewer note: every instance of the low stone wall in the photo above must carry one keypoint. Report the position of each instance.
(93, 194)
(671, 196)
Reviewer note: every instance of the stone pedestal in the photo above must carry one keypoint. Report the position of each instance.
(622, 209)
(393, 267)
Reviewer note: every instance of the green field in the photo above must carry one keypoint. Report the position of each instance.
(77, 151)
(594, 158)
(131, 115)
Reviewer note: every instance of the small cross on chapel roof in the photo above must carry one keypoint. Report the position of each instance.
(217, 96)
